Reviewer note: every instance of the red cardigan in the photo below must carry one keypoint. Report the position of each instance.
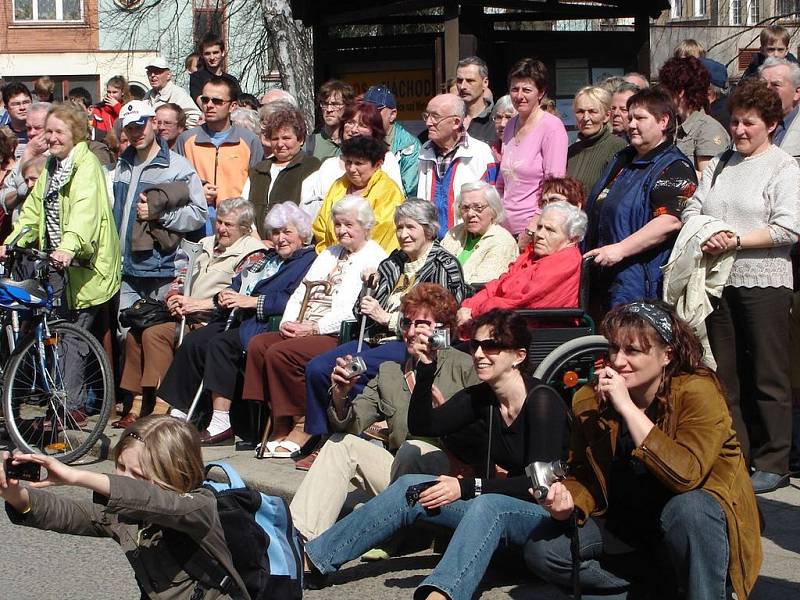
(547, 282)
(104, 116)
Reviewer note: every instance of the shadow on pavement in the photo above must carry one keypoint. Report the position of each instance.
(782, 522)
(768, 588)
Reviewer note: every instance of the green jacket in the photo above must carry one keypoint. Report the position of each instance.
(406, 148)
(87, 228)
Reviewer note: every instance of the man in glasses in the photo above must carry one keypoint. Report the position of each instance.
(17, 98)
(221, 152)
(163, 90)
(450, 158)
(333, 97)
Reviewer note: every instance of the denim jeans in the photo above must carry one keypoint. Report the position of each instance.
(480, 525)
(694, 549)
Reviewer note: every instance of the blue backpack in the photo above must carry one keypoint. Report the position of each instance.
(266, 549)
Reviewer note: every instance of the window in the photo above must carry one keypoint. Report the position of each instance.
(787, 7)
(736, 12)
(753, 12)
(677, 9)
(48, 10)
(699, 8)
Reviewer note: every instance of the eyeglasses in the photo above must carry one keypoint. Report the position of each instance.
(19, 104)
(214, 101)
(476, 208)
(436, 119)
(331, 105)
(406, 323)
(489, 346)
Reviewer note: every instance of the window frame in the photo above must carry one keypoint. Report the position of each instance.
(59, 5)
(699, 8)
(735, 12)
(750, 7)
(676, 9)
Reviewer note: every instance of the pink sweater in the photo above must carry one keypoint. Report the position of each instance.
(524, 166)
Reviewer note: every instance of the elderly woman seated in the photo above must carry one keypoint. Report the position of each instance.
(420, 259)
(363, 176)
(546, 275)
(257, 294)
(347, 458)
(149, 352)
(480, 243)
(275, 371)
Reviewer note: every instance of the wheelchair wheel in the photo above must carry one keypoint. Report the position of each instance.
(576, 357)
(58, 392)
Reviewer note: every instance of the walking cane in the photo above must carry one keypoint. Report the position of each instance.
(192, 250)
(310, 287)
(370, 289)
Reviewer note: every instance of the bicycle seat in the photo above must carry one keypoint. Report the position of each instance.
(21, 294)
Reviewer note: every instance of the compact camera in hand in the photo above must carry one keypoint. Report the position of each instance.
(545, 474)
(23, 471)
(440, 338)
(413, 492)
(356, 367)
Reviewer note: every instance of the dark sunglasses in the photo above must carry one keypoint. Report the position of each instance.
(406, 323)
(488, 345)
(214, 101)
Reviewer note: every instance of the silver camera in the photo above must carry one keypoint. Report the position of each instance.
(356, 367)
(545, 474)
(440, 338)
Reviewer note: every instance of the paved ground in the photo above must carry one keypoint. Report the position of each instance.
(41, 565)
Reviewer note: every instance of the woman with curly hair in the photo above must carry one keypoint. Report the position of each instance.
(755, 194)
(657, 477)
(699, 136)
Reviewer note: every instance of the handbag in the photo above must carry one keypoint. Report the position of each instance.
(145, 313)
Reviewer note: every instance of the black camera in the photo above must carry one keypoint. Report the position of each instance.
(413, 491)
(356, 367)
(23, 471)
(545, 474)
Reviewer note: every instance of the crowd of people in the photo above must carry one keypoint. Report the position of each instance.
(681, 200)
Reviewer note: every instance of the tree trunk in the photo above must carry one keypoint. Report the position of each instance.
(290, 43)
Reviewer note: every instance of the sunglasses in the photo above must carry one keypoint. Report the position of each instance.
(488, 345)
(406, 323)
(214, 101)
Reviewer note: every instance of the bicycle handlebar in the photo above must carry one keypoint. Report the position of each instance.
(36, 254)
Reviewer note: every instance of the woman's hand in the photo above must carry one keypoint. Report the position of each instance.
(305, 329)
(373, 309)
(607, 256)
(340, 380)
(463, 316)
(61, 258)
(558, 502)
(420, 346)
(719, 243)
(10, 489)
(230, 299)
(611, 386)
(287, 329)
(57, 472)
(448, 490)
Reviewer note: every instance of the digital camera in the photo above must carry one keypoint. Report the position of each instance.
(356, 367)
(545, 474)
(413, 491)
(440, 338)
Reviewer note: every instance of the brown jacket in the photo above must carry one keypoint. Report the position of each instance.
(135, 515)
(160, 199)
(703, 453)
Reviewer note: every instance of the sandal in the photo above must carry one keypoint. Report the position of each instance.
(125, 421)
(285, 449)
(271, 445)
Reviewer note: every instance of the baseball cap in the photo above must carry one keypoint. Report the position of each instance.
(381, 96)
(718, 72)
(136, 111)
(159, 63)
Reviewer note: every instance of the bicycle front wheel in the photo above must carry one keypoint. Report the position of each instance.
(58, 392)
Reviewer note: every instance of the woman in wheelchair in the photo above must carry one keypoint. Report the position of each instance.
(657, 479)
(256, 295)
(525, 422)
(546, 275)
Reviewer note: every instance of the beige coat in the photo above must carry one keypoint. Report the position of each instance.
(213, 274)
(492, 254)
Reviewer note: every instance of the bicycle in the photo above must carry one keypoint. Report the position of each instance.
(53, 371)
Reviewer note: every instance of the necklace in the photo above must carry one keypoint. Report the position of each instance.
(526, 127)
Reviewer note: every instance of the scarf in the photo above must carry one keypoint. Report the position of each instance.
(52, 219)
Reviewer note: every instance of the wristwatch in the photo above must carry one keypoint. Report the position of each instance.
(738, 243)
(478, 487)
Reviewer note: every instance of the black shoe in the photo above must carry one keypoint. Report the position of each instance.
(765, 482)
(313, 579)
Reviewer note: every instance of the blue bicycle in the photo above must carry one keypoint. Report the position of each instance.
(58, 386)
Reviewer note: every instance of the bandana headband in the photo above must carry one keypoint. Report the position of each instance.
(657, 317)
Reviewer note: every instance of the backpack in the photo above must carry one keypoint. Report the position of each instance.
(266, 549)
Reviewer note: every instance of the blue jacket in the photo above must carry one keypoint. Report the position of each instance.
(165, 167)
(624, 210)
(273, 292)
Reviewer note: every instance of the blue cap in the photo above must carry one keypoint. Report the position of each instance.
(718, 72)
(380, 96)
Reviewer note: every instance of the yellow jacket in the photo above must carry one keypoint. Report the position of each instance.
(383, 196)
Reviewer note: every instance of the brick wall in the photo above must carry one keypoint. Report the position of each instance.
(31, 37)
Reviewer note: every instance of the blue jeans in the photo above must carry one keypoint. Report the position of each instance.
(134, 288)
(694, 549)
(318, 377)
(480, 525)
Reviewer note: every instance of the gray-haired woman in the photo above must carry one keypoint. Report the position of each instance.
(244, 308)
(480, 243)
(502, 113)
(149, 352)
(420, 259)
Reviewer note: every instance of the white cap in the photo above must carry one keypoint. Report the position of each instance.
(159, 63)
(136, 111)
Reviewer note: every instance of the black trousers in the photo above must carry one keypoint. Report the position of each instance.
(749, 336)
(209, 355)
